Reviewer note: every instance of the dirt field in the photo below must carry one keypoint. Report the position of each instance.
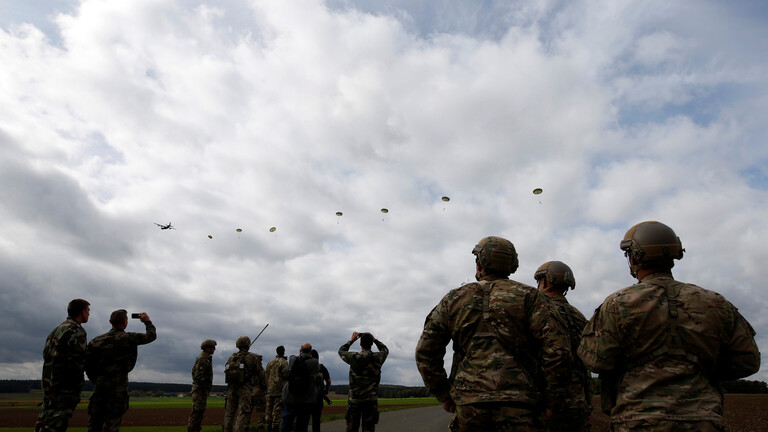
(743, 413)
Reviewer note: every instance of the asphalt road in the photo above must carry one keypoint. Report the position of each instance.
(429, 419)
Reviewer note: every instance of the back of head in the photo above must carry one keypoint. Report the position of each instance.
(280, 350)
(243, 343)
(497, 255)
(208, 343)
(118, 317)
(75, 307)
(558, 274)
(306, 348)
(315, 354)
(652, 244)
(366, 340)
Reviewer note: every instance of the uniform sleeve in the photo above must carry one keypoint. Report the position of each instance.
(430, 352)
(739, 355)
(383, 350)
(600, 350)
(144, 338)
(76, 352)
(345, 354)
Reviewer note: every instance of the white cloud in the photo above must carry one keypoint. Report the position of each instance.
(215, 117)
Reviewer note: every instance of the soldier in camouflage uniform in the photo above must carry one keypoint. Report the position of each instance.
(276, 368)
(554, 278)
(108, 360)
(503, 333)
(662, 347)
(243, 372)
(63, 358)
(364, 377)
(202, 383)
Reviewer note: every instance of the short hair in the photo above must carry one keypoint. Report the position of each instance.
(76, 306)
(315, 354)
(366, 340)
(118, 317)
(280, 350)
(306, 348)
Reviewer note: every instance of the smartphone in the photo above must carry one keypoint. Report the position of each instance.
(135, 315)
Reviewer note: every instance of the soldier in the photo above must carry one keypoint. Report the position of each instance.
(663, 347)
(63, 358)
(364, 377)
(108, 360)
(276, 368)
(300, 390)
(202, 383)
(503, 333)
(242, 372)
(554, 278)
(322, 393)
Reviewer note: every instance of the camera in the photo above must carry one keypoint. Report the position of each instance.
(135, 315)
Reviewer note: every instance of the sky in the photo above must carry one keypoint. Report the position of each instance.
(227, 115)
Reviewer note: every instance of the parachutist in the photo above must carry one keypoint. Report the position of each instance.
(165, 227)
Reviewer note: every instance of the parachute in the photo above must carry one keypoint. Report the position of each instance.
(210, 236)
(273, 229)
(385, 211)
(239, 230)
(537, 191)
(339, 213)
(446, 199)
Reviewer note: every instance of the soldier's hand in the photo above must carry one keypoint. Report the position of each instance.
(143, 317)
(355, 336)
(449, 406)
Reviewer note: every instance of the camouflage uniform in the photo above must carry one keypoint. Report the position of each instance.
(276, 368)
(499, 347)
(667, 345)
(259, 397)
(575, 414)
(364, 377)
(239, 395)
(63, 358)
(108, 360)
(202, 383)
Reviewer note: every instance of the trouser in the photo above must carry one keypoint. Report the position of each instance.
(274, 411)
(495, 416)
(366, 413)
(238, 401)
(106, 410)
(296, 417)
(199, 400)
(657, 425)
(317, 413)
(56, 411)
(258, 406)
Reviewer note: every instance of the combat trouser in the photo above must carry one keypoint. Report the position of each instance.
(658, 425)
(56, 412)
(495, 416)
(274, 411)
(366, 413)
(199, 401)
(106, 410)
(238, 401)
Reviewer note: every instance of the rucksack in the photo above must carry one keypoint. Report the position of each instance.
(234, 372)
(299, 379)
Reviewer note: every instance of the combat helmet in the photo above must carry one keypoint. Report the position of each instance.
(558, 274)
(652, 241)
(243, 342)
(497, 255)
(208, 343)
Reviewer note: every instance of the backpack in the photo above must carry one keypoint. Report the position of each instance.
(299, 379)
(234, 371)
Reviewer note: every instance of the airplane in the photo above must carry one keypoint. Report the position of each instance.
(165, 227)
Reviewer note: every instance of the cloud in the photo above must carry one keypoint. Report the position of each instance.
(223, 116)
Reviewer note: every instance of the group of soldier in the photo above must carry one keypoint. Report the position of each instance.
(521, 358)
(522, 355)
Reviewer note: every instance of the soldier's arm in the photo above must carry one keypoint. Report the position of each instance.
(739, 355)
(430, 352)
(77, 345)
(198, 371)
(345, 354)
(144, 338)
(383, 350)
(600, 350)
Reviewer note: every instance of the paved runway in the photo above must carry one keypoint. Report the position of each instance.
(429, 419)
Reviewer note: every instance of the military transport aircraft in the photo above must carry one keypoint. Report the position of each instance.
(164, 227)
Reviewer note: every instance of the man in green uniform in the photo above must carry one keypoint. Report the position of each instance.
(511, 352)
(63, 358)
(242, 373)
(663, 347)
(108, 360)
(202, 383)
(364, 378)
(554, 279)
(276, 368)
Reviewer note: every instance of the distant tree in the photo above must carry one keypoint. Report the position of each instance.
(745, 387)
